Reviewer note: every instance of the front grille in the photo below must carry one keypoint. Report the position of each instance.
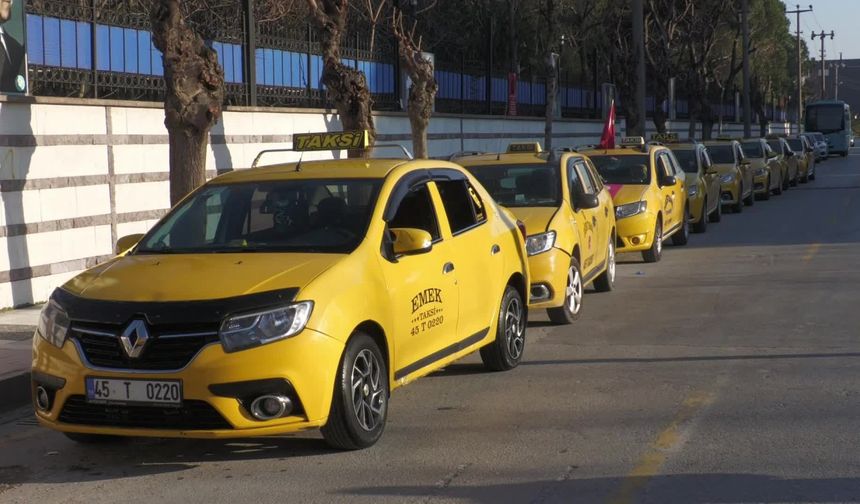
(193, 415)
(167, 349)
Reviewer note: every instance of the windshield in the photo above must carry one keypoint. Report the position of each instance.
(752, 149)
(687, 158)
(776, 145)
(631, 169)
(721, 154)
(825, 118)
(273, 216)
(521, 185)
(796, 144)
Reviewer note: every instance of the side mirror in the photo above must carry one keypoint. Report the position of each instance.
(790, 154)
(771, 155)
(125, 243)
(411, 241)
(586, 201)
(668, 180)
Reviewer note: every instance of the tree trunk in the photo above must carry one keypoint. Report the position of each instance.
(660, 116)
(422, 96)
(551, 96)
(193, 97)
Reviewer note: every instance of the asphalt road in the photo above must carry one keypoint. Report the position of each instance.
(728, 372)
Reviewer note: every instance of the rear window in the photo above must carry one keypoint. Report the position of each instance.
(521, 185)
(632, 169)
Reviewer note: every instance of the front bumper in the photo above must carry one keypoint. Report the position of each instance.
(548, 275)
(730, 193)
(635, 233)
(696, 208)
(307, 363)
(761, 184)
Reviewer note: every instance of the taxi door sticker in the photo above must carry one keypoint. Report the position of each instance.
(669, 205)
(426, 311)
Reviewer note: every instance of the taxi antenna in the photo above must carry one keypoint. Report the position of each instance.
(299, 164)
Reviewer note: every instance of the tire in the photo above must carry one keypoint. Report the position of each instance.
(766, 195)
(702, 225)
(606, 281)
(812, 177)
(79, 437)
(793, 182)
(750, 200)
(654, 253)
(682, 236)
(569, 312)
(739, 206)
(779, 189)
(717, 215)
(786, 183)
(358, 422)
(805, 178)
(506, 350)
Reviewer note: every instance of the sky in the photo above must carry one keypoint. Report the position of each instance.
(837, 15)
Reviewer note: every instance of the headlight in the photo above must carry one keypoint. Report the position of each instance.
(254, 329)
(727, 179)
(761, 172)
(693, 191)
(539, 243)
(54, 324)
(630, 209)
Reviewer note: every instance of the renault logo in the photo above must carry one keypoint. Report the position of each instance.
(134, 338)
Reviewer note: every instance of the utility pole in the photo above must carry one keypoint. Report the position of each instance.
(638, 13)
(822, 36)
(746, 49)
(836, 81)
(799, 11)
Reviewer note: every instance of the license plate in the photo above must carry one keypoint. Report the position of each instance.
(123, 391)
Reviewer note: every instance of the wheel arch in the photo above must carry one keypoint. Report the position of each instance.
(518, 282)
(377, 333)
(576, 254)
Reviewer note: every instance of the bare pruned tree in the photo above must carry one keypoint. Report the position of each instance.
(346, 87)
(194, 95)
(422, 91)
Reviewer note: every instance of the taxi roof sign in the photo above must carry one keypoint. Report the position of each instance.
(632, 141)
(304, 142)
(517, 147)
(665, 137)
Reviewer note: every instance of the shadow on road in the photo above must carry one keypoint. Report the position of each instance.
(686, 488)
(706, 358)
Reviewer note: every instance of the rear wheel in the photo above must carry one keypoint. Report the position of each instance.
(702, 225)
(778, 189)
(569, 312)
(805, 178)
(739, 206)
(750, 200)
(359, 406)
(682, 236)
(506, 351)
(606, 281)
(654, 253)
(766, 195)
(812, 176)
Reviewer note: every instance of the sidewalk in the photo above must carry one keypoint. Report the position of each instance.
(16, 336)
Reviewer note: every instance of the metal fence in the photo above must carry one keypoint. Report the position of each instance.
(103, 49)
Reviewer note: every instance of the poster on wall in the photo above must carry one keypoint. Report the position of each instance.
(13, 60)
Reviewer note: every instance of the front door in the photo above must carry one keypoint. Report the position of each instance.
(671, 200)
(422, 288)
(585, 226)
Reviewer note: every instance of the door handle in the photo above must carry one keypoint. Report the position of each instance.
(606, 211)
(593, 220)
(495, 249)
(447, 268)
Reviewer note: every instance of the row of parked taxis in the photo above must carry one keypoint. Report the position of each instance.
(299, 295)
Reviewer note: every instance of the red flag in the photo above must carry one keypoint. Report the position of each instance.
(607, 139)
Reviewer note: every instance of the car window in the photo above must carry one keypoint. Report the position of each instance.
(687, 159)
(665, 166)
(674, 162)
(585, 181)
(312, 215)
(416, 211)
(596, 179)
(722, 154)
(458, 204)
(520, 185)
(626, 169)
(753, 150)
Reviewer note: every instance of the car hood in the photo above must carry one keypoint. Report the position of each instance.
(536, 219)
(185, 277)
(626, 193)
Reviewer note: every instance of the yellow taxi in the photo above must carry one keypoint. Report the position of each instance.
(702, 180)
(805, 158)
(569, 215)
(648, 189)
(736, 176)
(765, 165)
(785, 157)
(285, 298)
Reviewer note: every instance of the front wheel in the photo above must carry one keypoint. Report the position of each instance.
(654, 253)
(359, 406)
(506, 350)
(569, 312)
(606, 281)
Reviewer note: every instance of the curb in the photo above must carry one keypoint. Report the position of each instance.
(14, 392)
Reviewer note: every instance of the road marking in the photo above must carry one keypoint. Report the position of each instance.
(668, 441)
(811, 251)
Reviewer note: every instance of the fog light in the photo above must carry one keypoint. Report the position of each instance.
(268, 407)
(43, 400)
(635, 240)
